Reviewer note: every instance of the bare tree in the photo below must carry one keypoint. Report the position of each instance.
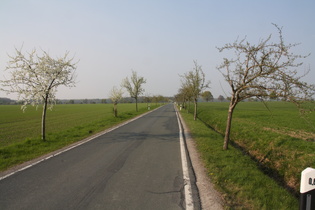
(134, 86)
(116, 96)
(262, 69)
(35, 79)
(195, 82)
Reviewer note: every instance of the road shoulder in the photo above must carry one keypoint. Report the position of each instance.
(209, 197)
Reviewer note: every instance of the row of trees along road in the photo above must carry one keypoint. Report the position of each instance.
(36, 77)
(133, 87)
(267, 69)
(192, 85)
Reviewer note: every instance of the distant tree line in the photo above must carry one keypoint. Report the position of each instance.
(142, 99)
(7, 101)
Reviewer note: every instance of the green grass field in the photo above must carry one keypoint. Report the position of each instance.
(20, 132)
(236, 176)
(16, 126)
(280, 142)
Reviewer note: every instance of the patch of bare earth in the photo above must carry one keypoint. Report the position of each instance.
(306, 136)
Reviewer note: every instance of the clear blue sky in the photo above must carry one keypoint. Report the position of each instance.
(158, 39)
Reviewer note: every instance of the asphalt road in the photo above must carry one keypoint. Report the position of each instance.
(137, 166)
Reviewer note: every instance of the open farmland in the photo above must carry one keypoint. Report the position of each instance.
(279, 139)
(16, 126)
(20, 132)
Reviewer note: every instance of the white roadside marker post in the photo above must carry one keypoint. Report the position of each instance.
(307, 189)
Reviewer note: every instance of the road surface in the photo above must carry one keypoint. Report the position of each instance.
(136, 166)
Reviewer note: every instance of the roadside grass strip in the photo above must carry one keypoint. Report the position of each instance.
(239, 179)
(280, 139)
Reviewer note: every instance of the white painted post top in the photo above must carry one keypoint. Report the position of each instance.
(307, 180)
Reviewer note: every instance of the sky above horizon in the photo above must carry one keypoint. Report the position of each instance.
(157, 39)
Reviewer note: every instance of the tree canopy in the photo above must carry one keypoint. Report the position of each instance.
(134, 86)
(267, 68)
(207, 96)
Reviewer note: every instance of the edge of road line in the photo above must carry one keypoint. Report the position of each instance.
(187, 183)
(209, 197)
(23, 166)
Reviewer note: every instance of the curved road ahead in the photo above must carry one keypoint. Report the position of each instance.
(136, 166)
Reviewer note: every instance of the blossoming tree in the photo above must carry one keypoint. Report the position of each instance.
(116, 96)
(35, 78)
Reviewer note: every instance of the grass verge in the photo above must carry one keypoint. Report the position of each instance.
(280, 140)
(239, 179)
(31, 148)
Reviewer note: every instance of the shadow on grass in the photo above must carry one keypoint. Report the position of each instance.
(275, 175)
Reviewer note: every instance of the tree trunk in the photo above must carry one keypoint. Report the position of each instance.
(115, 109)
(195, 111)
(228, 125)
(44, 118)
(136, 104)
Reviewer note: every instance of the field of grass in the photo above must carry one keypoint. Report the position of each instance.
(20, 132)
(238, 178)
(279, 140)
